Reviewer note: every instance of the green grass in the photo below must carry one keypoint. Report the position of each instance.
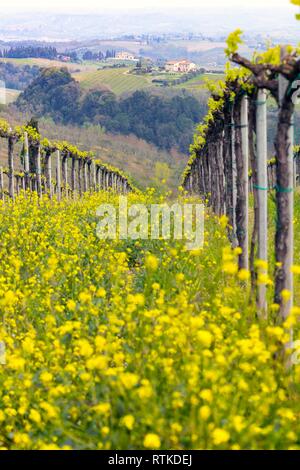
(44, 63)
(199, 80)
(118, 80)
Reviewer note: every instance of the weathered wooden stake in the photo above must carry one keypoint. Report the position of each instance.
(65, 175)
(73, 176)
(80, 176)
(58, 175)
(49, 174)
(26, 161)
(289, 257)
(234, 179)
(39, 172)
(1, 184)
(11, 176)
(245, 151)
(94, 178)
(262, 187)
(85, 176)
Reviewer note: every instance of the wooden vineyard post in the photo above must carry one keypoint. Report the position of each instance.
(1, 184)
(234, 178)
(49, 174)
(262, 187)
(73, 175)
(58, 175)
(65, 174)
(85, 176)
(39, 172)
(11, 176)
(286, 305)
(80, 176)
(112, 181)
(245, 183)
(26, 161)
(88, 176)
(98, 177)
(94, 177)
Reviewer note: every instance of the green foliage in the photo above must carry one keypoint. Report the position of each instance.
(54, 92)
(233, 41)
(17, 77)
(4, 127)
(167, 123)
(270, 56)
(296, 2)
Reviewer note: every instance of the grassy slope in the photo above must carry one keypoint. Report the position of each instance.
(72, 66)
(135, 156)
(118, 80)
(121, 81)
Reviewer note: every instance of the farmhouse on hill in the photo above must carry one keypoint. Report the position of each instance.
(125, 56)
(180, 66)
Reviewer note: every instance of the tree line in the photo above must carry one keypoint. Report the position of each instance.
(25, 52)
(90, 55)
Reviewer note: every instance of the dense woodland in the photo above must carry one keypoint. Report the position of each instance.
(90, 55)
(24, 52)
(17, 77)
(166, 122)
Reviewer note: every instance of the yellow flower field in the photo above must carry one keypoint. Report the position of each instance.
(133, 345)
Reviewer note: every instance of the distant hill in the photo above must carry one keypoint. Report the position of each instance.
(166, 122)
(147, 164)
(106, 24)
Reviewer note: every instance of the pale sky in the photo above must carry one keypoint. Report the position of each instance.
(98, 5)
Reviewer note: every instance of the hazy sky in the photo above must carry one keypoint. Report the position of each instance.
(98, 5)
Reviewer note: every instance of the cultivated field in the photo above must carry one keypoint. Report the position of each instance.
(72, 66)
(118, 80)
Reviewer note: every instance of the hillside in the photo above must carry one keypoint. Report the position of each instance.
(165, 121)
(143, 161)
(106, 75)
(117, 80)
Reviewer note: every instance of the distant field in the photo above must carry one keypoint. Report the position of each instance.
(11, 95)
(72, 66)
(132, 46)
(90, 75)
(118, 80)
(199, 80)
(198, 46)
